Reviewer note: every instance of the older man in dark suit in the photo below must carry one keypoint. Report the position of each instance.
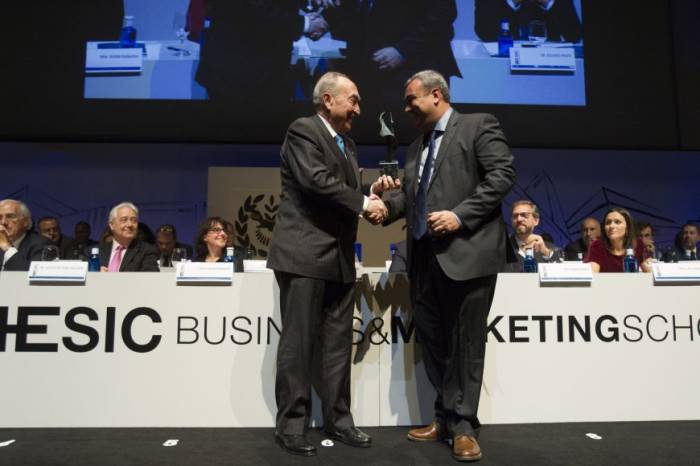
(456, 175)
(312, 256)
(19, 245)
(125, 253)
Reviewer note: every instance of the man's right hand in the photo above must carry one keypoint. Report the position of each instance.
(376, 211)
(385, 183)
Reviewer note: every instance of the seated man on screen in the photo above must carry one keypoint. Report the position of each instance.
(19, 245)
(125, 252)
(559, 17)
(390, 40)
(50, 229)
(524, 218)
(590, 230)
(687, 243)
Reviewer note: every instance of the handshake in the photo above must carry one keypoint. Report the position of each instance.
(376, 211)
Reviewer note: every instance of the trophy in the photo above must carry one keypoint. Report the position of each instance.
(390, 166)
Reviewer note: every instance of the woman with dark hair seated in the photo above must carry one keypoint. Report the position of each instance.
(607, 253)
(211, 241)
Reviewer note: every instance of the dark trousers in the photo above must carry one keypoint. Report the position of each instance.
(316, 337)
(450, 318)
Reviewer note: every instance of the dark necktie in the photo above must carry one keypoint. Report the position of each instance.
(421, 203)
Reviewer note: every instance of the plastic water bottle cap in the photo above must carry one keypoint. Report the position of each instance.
(630, 252)
(95, 250)
(528, 252)
(229, 251)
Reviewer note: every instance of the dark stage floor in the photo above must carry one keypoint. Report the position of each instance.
(628, 443)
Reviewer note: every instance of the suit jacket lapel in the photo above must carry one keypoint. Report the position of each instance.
(447, 138)
(128, 255)
(352, 162)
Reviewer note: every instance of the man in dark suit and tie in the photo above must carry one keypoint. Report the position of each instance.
(312, 255)
(687, 243)
(50, 229)
(456, 175)
(125, 253)
(19, 245)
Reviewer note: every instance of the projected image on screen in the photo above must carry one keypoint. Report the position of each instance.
(516, 52)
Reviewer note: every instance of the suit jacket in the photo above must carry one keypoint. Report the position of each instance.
(248, 46)
(562, 20)
(321, 199)
(572, 250)
(29, 250)
(420, 29)
(139, 257)
(472, 173)
(516, 265)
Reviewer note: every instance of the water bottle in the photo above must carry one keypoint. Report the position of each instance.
(505, 39)
(127, 36)
(229, 255)
(358, 253)
(94, 260)
(529, 264)
(392, 250)
(630, 262)
(579, 256)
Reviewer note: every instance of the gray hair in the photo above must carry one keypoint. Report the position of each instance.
(113, 212)
(431, 79)
(22, 209)
(327, 84)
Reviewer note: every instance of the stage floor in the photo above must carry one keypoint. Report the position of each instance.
(627, 443)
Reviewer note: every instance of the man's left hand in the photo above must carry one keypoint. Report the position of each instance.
(443, 222)
(388, 58)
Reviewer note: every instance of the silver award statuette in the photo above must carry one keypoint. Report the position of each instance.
(390, 166)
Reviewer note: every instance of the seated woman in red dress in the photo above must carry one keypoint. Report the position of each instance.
(606, 254)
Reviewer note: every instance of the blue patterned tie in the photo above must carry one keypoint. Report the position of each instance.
(421, 203)
(340, 142)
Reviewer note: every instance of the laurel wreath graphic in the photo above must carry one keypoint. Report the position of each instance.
(264, 218)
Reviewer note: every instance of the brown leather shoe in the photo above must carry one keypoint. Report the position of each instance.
(466, 448)
(430, 433)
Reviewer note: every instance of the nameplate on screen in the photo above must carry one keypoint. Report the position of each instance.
(101, 61)
(543, 59)
(676, 273)
(59, 272)
(256, 266)
(204, 273)
(566, 272)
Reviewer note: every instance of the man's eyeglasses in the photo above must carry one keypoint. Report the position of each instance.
(9, 217)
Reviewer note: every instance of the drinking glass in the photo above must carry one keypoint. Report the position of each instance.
(537, 32)
(49, 253)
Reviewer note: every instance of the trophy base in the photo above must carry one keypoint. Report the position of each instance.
(389, 168)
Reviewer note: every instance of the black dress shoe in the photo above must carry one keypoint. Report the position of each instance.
(351, 436)
(295, 444)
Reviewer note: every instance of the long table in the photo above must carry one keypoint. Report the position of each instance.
(136, 350)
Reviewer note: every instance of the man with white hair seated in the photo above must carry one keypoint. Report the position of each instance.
(125, 253)
(19, 245)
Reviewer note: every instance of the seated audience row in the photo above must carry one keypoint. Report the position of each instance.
(129, 245)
